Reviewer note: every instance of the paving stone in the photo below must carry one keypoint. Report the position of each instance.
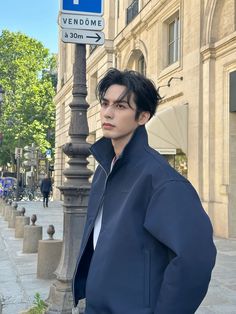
(14, 308)
(18, 281)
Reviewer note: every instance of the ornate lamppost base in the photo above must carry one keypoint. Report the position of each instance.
(60, 298)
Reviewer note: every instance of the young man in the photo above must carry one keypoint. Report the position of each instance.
(147, 246)
(45, 188)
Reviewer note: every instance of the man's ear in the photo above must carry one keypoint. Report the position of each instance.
(143, 117)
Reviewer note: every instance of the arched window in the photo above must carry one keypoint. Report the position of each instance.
(142, 68)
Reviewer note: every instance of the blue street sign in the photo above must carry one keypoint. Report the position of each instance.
(90, 7)
(48, 153)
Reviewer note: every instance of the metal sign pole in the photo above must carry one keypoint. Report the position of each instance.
(76, 186)
(75, 189)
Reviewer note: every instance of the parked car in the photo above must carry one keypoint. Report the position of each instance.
(7, 184)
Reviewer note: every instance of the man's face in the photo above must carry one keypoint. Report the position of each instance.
(117, 115)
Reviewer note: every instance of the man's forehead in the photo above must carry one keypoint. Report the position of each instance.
(118, 92)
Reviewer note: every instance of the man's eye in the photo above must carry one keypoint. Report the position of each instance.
(104, 104)
(120, 106)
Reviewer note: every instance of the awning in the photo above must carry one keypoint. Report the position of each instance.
(169, 128)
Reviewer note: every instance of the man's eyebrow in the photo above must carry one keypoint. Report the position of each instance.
(116, 101)
(121, 100)
(104, 98)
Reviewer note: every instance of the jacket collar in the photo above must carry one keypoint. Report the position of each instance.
(103, 151)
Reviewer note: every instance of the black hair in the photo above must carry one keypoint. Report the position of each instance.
(145, 93)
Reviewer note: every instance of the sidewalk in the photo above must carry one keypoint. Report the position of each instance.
(221, 296)
(18, 282)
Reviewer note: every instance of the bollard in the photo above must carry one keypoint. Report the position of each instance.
(49, 253)
(20, 223)
(2, 204)
(6, 210)
(14, 212)
(9, 212)
(4, 207)
(32, 235)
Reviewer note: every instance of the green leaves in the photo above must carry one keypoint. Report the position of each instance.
(28, 76)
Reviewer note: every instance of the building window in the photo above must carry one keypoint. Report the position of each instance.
(142, 65)
(173, 40)
(178, 161)
(132, 11)
(232, 91)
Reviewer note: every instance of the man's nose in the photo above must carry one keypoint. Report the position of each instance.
(109, 111)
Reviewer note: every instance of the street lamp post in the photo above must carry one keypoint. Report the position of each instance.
(75, 189)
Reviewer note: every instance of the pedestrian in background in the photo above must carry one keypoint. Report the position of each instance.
(45, 188)
(147, 245)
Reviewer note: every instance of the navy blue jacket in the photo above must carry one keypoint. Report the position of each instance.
(155, 251)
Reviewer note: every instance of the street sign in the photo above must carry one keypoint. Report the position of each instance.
(18, 152)
(92, 7)
(48, 153)
(82, 37)
(76, 21)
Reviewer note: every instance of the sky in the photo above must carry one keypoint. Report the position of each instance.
(37, 19)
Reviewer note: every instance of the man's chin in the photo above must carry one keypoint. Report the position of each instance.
(107, 136)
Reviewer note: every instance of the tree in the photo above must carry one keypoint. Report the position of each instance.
(27, 74)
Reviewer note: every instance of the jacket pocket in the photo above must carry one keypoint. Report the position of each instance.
(147, 274)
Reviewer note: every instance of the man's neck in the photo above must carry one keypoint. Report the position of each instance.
(117, 150)
(119, 145)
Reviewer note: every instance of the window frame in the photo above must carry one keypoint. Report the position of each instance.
(175, 43)
(132, 11)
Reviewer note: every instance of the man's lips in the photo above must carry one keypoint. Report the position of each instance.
(108, 125)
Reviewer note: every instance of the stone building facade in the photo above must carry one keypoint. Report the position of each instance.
(188, 48)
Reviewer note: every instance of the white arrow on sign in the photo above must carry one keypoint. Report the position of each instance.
(88, 7)
(82, 37)
(76, 21)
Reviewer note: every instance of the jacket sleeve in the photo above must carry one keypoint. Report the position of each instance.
(176, 218)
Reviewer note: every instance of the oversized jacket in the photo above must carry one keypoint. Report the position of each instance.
(155, 251)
